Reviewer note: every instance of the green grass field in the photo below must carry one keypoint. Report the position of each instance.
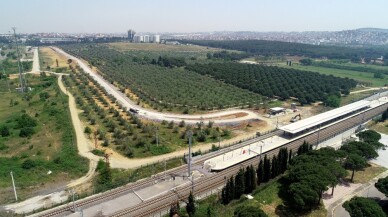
(364, 77)
(355, 97)
(50, 148)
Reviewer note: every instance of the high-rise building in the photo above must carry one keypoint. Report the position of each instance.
(131, 34)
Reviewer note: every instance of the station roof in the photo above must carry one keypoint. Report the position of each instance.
(323, 117)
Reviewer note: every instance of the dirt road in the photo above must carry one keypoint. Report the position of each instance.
(159, 116)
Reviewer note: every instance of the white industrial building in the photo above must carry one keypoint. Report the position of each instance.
(155, 39)
(146, 39)
(138, 39)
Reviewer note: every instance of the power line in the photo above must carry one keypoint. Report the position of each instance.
(21, 79)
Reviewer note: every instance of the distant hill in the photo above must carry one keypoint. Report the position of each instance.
(372, 30)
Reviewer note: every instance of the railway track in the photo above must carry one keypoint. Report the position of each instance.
(162, 202)
(63, 210)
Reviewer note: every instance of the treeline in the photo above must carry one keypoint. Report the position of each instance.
(277, 48)
(169, 61)
(246, 180)
(347, 67)
(310, 172)
(273, 81)
(225, 55)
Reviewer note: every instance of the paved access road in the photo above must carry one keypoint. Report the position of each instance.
(218, 117)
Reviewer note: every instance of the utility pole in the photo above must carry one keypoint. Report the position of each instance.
(261, 148)
(319, 129)
(6, 78)
(189, 135)
(157, 136)
(219, 141)
(165, 167)
(73, 195)
(14, 188)
(18, 59)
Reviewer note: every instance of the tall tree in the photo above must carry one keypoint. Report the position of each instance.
(260, 173)
(382, 185)
(283, 160)
(239, 184)
(355, 162)
(249, 211)
(253, 178)
(190, 207)
(304, 148)
(360, 206)
(174, 209)
(267, 169)
(232, 189)
(248, 180)
(274, 167)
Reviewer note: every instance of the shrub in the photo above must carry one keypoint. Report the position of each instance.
(26, 132)
(25, 121)
(3, 146)
(4, 131)
(161, 149)
(44, 95)
(28, 164)
(88, 130)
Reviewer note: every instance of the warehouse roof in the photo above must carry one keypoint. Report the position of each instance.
(323, 117)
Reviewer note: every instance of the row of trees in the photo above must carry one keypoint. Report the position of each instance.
(358, 68)
(245, 181)
(273, 81)
(169, 61)
(277, 48)
(225, 55)
(163, 86)
(361, 206)
(130, 135)
(313, 173)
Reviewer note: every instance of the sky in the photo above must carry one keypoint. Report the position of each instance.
(117, 16)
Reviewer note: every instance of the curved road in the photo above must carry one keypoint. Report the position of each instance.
(219, 118)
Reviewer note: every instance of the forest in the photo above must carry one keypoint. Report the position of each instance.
(273, 81)
(163, 87)
(277, 48)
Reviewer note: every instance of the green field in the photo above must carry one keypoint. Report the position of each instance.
(363, 77)
(48, 145)
(191, 53)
